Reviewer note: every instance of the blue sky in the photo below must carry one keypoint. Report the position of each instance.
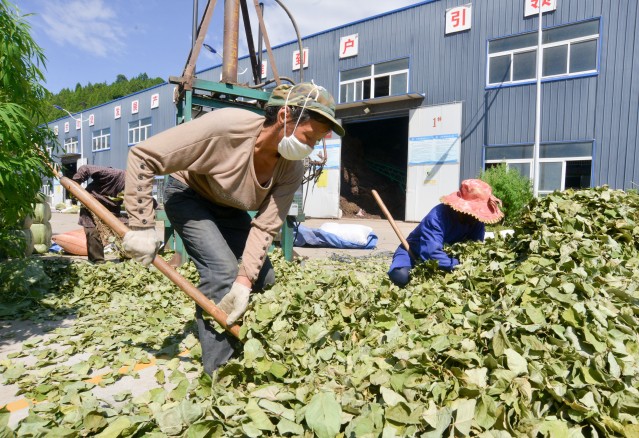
(95, 40)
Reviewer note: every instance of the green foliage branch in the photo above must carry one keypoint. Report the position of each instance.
(514, 190)
(23, 156)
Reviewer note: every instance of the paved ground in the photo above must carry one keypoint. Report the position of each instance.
(387, 239)
(15, 333)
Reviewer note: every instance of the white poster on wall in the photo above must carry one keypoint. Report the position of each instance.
(297, 61)
(434, 154)
(531, 7)
(264, 69)
(458, 19)
(348, 46)
(155, 100)
(321, 198)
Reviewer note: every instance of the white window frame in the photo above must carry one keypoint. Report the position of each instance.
(529, 161)
(140, 132)
(568, 74)
(46, 189)
(71, 145)
(372, 78)
(101, 140)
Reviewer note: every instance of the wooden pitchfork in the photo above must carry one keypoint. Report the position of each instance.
(393, 224)
(120, 229)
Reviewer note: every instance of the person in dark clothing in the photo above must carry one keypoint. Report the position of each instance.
(460, 217)
(106, 184)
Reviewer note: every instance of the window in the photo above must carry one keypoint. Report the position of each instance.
(71, 145)
(139, 130)
(377, 80)
(561, 165)
(567, 51)
(101, 140)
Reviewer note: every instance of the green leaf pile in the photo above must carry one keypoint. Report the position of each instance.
(535, 335)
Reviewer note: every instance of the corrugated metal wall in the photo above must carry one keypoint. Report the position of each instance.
(603, 108)
(162, 118)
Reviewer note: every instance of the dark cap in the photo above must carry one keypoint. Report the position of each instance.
(310, 96)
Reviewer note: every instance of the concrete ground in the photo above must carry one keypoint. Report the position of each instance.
(387, 239)
(16, 333)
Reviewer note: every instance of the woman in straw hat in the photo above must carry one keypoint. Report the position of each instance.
(460, 217)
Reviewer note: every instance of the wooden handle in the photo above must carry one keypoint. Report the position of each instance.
(392, 222)
(120, 229)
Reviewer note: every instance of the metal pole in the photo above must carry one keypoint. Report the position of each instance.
(538, 108)
(195, 25)
(82, 138)
(259, 41)
(231, 33)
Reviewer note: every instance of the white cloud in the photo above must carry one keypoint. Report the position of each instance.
(311, 16)
(88, 25)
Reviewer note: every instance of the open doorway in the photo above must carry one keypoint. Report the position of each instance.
(69, 168)
(374, 156)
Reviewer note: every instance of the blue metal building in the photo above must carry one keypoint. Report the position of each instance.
(436, 92)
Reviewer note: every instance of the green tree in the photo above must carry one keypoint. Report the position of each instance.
(23, 140)
(90, 95)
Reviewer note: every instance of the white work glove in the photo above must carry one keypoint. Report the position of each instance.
(235, 302)
(141, 244)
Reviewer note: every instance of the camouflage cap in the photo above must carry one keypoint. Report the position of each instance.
(310, 96)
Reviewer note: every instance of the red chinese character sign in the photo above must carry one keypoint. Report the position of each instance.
(55, 130)
(264, 69)
(135, 106)
(532, 6)
(155, 100)
(78, 124)
(348, 46)
(297, 61)
(117, 112)
(458, 19)
(66, 126)
(91, 119)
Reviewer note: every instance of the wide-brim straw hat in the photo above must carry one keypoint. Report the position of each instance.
(475, 198)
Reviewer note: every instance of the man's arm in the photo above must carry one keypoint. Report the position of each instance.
(83, 174)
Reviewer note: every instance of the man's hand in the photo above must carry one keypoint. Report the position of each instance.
(141, 244)
(235, 302)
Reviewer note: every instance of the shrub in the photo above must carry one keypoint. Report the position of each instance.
(23, 136)
(514, 190)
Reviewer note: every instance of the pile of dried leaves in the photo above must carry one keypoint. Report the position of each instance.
(535, 335)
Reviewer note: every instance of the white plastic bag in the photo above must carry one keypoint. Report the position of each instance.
(354, 233)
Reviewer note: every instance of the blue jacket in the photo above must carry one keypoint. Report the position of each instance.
(441, 226)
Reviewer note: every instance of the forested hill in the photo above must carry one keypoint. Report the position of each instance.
(91, 95)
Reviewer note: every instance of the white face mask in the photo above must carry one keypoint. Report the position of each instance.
(291, 147)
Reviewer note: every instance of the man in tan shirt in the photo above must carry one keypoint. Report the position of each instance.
(221, 166)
